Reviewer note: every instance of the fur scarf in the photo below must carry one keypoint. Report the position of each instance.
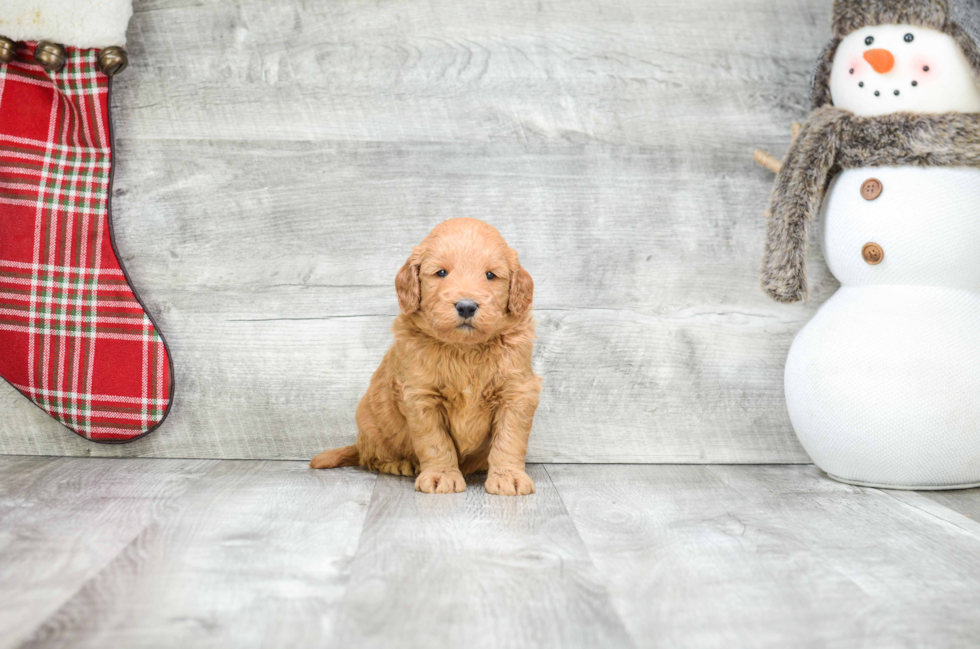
(833, 140)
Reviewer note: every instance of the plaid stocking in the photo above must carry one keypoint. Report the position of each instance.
(74, 337)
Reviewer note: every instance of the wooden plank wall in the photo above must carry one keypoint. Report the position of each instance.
(277, 161)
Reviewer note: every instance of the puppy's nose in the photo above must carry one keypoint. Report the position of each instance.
(466, 308)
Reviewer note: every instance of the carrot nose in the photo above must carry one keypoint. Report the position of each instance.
(881, 60)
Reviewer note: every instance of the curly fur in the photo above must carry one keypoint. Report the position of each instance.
(453, 396)
(79, 23)
(833, 140)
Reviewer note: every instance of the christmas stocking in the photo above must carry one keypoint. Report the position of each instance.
(74, 337)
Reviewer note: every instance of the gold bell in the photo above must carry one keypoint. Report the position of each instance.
(50, 56)
(113, 60)
(8, 50)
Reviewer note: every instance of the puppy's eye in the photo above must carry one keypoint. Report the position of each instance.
(490, 275)
(441, 273)
(869, 40)
(909, 38)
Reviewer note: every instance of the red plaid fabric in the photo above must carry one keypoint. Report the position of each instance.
(74, 338)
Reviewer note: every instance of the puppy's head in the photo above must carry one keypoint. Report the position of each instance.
(464, 284)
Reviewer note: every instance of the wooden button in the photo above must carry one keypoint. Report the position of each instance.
(871, 189)
(872, 253)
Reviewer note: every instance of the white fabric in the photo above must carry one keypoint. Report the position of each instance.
(949, 85)
(883, 385)
(77, 23)
(926, 220)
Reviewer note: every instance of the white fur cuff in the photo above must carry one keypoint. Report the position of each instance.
(75, 23)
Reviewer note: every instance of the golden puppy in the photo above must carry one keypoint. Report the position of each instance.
(456, 393)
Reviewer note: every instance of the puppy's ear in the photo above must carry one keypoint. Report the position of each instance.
(521, 292)
(408, 285)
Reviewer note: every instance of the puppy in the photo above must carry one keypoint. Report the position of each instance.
(455, 394)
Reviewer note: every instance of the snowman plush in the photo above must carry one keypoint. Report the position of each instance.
(883, 384)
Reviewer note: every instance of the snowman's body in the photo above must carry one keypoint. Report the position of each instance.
(883, 385)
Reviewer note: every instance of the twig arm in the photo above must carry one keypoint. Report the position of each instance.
(767, 161)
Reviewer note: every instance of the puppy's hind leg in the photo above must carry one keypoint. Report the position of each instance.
(346, 456)
(385, 453)
(397, 467)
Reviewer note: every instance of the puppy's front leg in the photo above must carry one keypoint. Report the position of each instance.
(511, 429)
(438, 463)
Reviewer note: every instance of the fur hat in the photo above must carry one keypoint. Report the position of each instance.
(958, 18)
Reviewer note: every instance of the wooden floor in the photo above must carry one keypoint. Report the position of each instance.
(219, 553)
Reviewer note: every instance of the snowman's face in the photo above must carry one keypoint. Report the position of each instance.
(899, 68)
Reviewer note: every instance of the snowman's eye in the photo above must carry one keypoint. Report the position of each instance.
(909, 38)
(869, 40)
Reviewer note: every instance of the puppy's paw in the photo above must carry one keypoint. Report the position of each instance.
(509, 482)
(399, 467)
(440, 481)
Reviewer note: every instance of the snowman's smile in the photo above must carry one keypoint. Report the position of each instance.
(882, 62)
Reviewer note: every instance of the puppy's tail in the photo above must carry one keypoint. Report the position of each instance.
(346, 456)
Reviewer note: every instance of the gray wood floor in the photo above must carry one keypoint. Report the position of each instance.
(211, 553)
(276, 162)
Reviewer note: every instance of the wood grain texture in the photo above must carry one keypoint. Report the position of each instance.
(256, 554)
(965, 502)
(775, 557)
(474, 570)
(200, 553)
(63, 520)
(276, 162)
